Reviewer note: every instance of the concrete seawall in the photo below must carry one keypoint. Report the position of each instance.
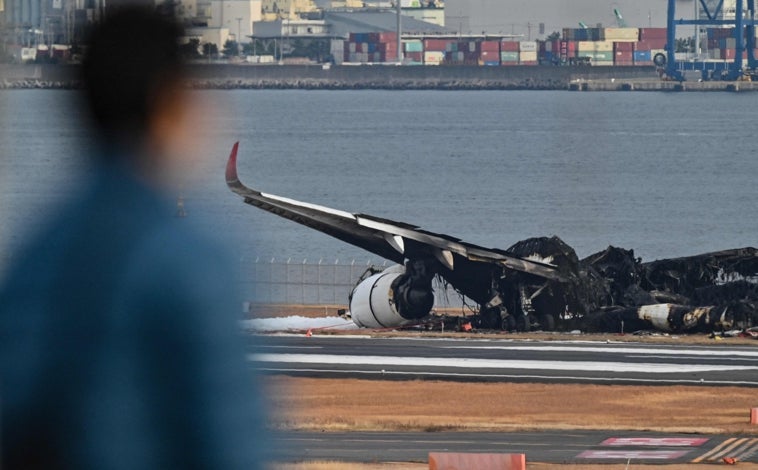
(226, 76)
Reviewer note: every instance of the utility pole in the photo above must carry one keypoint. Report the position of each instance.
(239, 44)
(398, 4)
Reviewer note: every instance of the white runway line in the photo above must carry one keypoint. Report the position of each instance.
(612, 350)
(471, 363)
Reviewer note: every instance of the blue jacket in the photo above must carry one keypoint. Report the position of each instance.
(120, 344)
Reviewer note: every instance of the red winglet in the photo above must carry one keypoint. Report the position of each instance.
(231, 165)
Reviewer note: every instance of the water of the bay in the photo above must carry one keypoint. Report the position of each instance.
(667, 174)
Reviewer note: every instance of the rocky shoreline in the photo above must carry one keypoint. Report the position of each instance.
(235, 77)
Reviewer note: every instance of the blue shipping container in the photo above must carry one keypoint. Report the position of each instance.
(642, 56)
(492, 63)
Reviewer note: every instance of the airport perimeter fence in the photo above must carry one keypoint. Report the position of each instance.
(274, 281)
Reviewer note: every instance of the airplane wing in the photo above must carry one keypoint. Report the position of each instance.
(392, 240)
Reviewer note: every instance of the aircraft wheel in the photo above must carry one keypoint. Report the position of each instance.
(508, 323)
(547, 322)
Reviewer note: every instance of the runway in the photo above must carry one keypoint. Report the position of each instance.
(498, 360)
(552, 447)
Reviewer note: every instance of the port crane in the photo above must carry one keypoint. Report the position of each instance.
(743, 25)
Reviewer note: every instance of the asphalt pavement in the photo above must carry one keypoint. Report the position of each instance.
(553, 447)
(497, 360)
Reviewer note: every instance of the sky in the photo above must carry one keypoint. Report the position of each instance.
(514, 16)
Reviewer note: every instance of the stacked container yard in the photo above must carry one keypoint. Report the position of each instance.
(490, 53)
(462, 53)
(371, 47)
(652, 41)
(527, 52)
(509, 53)
(434, 51)
(413, 52)
(599, 52)
(607, 46)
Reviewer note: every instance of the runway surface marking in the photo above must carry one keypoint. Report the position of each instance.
(740, 449)
(611, 350)
(469, 363)
(654, 441)
(633, 454)
(468, 376)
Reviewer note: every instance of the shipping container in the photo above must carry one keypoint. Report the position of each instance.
(643, 56)
(528, 56)
(647, 34)
(530, 62)
(509, 57)
(585, 46)
(602, 63)
(623, 58)
(623, 46)
(433, 57)
(490, 46)
(359, 37)
(415, 56)
(491, 63)
(527, 46)
(413, 45)
(489, 56)
(622, 34)
(436, 45)
(651, 44)
(603, 56)
(509, 46)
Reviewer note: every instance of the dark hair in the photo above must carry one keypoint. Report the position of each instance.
(133, 56)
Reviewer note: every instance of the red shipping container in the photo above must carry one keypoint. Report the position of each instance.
(386, 47)
(489, 56)
(623, 58)
(436, 45)
(652, 33)
(509, 46)
(623, 47)
(651, 44)
(387, 37)
(490, 46)
(556, 47)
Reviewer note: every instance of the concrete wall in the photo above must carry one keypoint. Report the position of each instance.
(289, 76)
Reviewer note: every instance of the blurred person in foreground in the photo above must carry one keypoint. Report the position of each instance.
(120, 347)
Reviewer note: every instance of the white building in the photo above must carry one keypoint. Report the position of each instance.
(237, 16)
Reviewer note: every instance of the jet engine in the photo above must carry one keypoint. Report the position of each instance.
(394, 297)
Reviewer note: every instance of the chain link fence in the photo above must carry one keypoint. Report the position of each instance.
(291, 281)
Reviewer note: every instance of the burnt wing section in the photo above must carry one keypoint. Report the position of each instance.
(538, 283)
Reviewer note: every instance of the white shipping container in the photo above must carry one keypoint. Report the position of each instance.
(527, 46)
(337, 50)
(433, 57)
(352, 47)
(528, 56)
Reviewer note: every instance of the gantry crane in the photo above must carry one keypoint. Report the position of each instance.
(744, 23)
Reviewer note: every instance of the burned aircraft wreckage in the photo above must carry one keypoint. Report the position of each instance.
(538, 283)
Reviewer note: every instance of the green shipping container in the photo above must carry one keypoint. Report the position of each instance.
(509, 56)
(599, 56)
(413, 46)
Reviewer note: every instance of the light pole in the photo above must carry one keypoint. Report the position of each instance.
(239, 45)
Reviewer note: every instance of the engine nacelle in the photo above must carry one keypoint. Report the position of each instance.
(391, 298)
